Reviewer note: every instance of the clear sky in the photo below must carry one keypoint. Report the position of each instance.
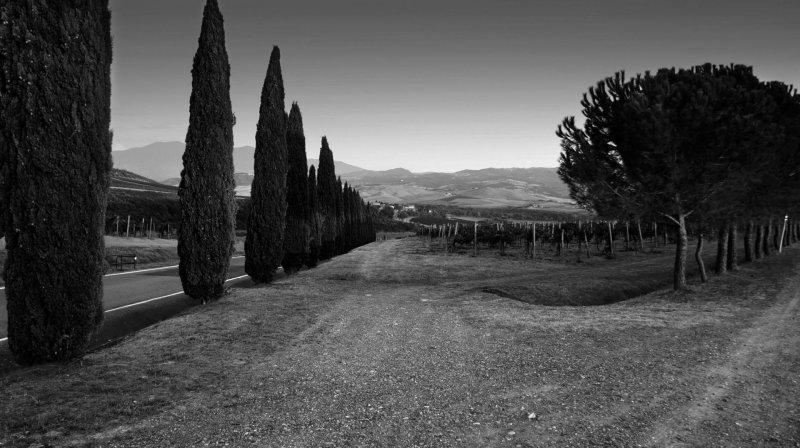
(430, 85)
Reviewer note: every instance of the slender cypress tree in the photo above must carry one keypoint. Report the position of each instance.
(206, 191)
(263, 246)
(339, 208)
(295, 242)
(326, 193)
(55, 150)
(314, 219)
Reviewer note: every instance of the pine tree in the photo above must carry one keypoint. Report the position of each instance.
(55, 150)
(263, 246)
(315, 219)
(326, 193)
(206, 191)
(295, 243)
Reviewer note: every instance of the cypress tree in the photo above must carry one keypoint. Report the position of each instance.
(55, 150)
(314, 219)
(206, 191)
(295, 243)
(326, 194)
(339, 208)
(263, 246)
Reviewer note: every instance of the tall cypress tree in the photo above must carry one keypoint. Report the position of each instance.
(55, 148)
(314, 219)
(327, 196)
(295, 240)
(206, 191)
(263, 246)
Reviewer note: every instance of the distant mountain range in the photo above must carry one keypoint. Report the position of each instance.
(163, 161)
(490, 187)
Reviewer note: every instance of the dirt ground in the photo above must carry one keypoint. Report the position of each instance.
(391, 345)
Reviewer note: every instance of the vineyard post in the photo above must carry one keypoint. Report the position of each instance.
(117, 225)
(128, 229)
(533, 243)
(783, 232)
(475, 241)
(151, 227)
(655, 233)
(610, 238)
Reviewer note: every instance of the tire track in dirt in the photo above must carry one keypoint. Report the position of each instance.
(739, 381)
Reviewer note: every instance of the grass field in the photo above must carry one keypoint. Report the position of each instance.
(392, 345)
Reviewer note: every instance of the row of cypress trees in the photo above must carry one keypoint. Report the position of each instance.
(295, 218)
(55, 163)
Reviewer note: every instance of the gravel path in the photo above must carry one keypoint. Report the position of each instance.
(390, 346)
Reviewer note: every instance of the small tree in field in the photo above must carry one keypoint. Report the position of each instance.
(295, 243)
(206, 191)
(55, 152)
(263, 246)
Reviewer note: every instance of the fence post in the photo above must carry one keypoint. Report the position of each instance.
(475, 241)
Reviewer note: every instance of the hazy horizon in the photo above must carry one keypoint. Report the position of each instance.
(438, 85)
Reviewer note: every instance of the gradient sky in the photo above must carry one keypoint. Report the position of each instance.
(430, 85)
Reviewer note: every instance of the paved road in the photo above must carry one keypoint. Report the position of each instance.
(122, 291)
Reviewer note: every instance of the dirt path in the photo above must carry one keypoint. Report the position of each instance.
(750, 382)
(392, 346)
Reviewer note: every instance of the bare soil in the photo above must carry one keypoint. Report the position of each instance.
(391, 345)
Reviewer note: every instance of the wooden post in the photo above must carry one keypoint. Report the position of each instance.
(117, 222)
(610, 238)
(533, 243)
(655, 233)
(128, 229)
(151, 228)
(783, 232)
(475, 241)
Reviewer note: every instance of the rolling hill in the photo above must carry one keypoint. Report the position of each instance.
(163, 161)
(539, 188)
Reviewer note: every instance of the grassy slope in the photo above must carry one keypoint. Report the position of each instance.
(391, 345)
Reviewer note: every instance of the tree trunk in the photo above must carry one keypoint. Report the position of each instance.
(722, 249)
(627, 237)
(732, 263)
(698, 257)
(748, 242)
(641, 240)
(610, 238)
(765, 244)
(679, 273)
(776, 236)
(759, 241)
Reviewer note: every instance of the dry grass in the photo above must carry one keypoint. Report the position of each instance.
(391, 345)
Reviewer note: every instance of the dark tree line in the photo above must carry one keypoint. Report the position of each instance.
(711, 146)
